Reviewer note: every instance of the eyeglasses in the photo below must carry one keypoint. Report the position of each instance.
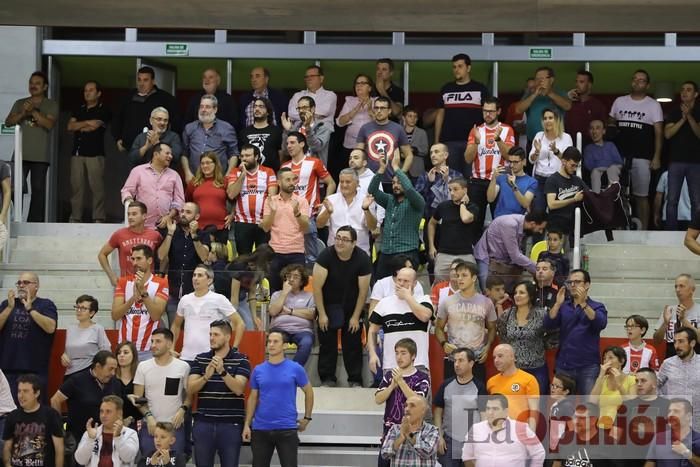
(487, 111)
(556, 386)
(81, 308)
(21, 283)
(221, 322)
(160, 119)
(343, 239)
(303, 107)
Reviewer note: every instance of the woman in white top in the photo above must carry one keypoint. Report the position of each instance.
(356, 112)
(85, 339)
(547, 148)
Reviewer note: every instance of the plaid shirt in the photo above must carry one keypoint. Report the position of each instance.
(249, 116)
(402, 219)
(423, 453)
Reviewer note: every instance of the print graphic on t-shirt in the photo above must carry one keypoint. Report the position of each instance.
(580, 459)
(570, 192)
(462, 99)
(30, 441)
(379, 144)
(258, 140)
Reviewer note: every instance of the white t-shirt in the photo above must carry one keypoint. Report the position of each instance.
(547, 162)
(693, 315)
(164, 386)
(386, 286)
(199, 312)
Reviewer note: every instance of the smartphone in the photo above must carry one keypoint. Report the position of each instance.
(508, 170)
(140, 401)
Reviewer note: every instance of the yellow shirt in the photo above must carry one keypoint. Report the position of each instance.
(610, 400)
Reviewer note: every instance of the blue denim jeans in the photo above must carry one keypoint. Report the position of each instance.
(311, 242)
(677, 173)
(542, 376)
(453, 453)
(212, 437)
(147, 447)
(585, 377)
(304, 342)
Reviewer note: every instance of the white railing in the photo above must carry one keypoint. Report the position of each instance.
(577, 212)
(17, 176)
(126, 212)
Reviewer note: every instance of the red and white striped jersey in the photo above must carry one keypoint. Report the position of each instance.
(310, 171)
(488, 155)
(440, 291)
(640, 358)
(137, 326)
(249, 204)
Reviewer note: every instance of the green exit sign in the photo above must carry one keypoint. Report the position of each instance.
(540, 53)
(181, 50)
(7, 130)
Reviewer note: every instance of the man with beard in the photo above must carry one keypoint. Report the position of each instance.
(584, 107)
(433, 185)
(263, 134)
(498, 252)
(403, 214)
(184, 249)
(681, 446)
(139, 301)
(487, 149)
(208, 134)
(157, 186)
(142, 149)
(211, 80)
(286, 218)
(248, 186)
(219, 378)
(680, 375)
(564, 190)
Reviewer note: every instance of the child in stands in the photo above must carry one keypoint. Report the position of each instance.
(496, 291)
(164, 455)
(556, 256)
(639, 354)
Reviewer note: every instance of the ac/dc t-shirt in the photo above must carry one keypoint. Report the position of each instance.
(462, 104)
(31, 435)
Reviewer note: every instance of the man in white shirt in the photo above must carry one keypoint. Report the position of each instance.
(349, 206)
(499, 440)
(198, 309)
(326, 100)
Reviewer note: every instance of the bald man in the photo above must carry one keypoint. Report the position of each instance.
(211, 85)
(432, 185)
(27, 326)
(413, 442)
(520, 387)
(685, 314)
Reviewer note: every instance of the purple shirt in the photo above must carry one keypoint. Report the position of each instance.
(160, 192)
(419, 382)
(501, 242)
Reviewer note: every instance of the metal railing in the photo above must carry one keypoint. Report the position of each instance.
(127, 203)
(577, 213)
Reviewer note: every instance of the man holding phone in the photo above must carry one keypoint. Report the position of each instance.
(510, 187)
(564, 190)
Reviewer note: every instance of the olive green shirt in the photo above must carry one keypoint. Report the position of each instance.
(35, 138)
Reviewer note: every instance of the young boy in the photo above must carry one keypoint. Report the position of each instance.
(164, 438)
(554, 254)
(639, 354)
(496, 291)
(404, 381)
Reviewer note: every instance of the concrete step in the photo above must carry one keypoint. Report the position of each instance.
(633, 288)
(69, 255)
(650, 252)
(322, 456)
(88, 241)
(641, 268)
(625, 306)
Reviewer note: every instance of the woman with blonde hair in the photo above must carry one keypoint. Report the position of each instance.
(208, 190)
(547, 148)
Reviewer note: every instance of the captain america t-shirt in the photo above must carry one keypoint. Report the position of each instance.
(462, 104)
(380, 141)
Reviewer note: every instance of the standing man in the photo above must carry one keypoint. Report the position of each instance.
(499, 253)
(385, 87)
(263, 134)
(564, 191)
(544, 96)
(487, 149)
(271, 415)
(162, 380)
(139, 301)
(157, 186)
(248, 186)
(580, 321)
(382, 138)
(198, 310)
(682, 131)
(36, 115)
(208, 134)
(286, 218)
(459, 111)
(584, 107)
(317, 132)
(417, 139)
(219, 378)
(685, 314)
(259, 82)
(682, 446)
(358, 162)
(680, 374)
(27, 322)
(470, 319)
(433, 185)
(33, 434)
(89, 124)
(341, 283)
(184, 248)
(141, 151)
(137, 106)
(211, 80)
(404, 210)
(639, 120)
(7, 404)
(349, 206)
(457, 407)
(510, 187)
(325, 100)
(413, 442)
(125, 238)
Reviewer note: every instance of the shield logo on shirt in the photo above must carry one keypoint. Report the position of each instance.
(379, 144)
(515, 387)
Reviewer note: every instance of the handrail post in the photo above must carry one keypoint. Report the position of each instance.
(18, 178)
(126, 212)
(577, 238)
(579, 146)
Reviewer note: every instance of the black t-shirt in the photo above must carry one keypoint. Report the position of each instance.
(456, 237)
(130, 410)
(695, 222)
(462, 104)
(684, 146)
(84, 398)
(596, 452)
(564, 188)
(91, 143)
(341, 284)
(182, 260)
(268, 140)
(396, 94)
(176, 460)
(641, 420)
(30, 433)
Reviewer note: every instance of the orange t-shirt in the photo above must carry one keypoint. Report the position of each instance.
(518, 388)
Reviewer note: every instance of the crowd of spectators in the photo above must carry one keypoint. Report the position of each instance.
(342, 265)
